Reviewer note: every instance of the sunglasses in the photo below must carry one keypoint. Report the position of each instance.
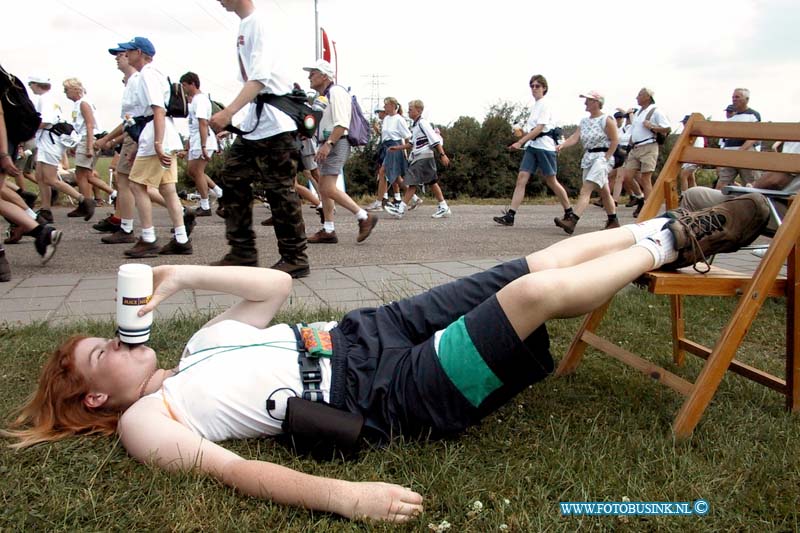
(536, 86)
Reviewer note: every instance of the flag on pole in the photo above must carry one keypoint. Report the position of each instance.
(326, 47)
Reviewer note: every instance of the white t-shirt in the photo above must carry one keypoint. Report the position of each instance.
(78, 121)
(128, 102)
(337, 113)
(423, 139)
(394, 128)
(259, 56)
(746, 116)
(152, 89)
(641, 135)
(790, 147)
(624, 135)
(49, 109)
(541, 114)
(200, 108)
(224, 382)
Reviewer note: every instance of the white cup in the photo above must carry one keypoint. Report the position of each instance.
(134, 290)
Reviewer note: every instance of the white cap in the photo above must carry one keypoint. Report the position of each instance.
(38, 79)
(322, 66)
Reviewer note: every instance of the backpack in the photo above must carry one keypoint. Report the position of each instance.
(22, 119)
(177, 106)
(216, 106)
(64, 133)
(293, 104)
(359, 130)
(661, 138)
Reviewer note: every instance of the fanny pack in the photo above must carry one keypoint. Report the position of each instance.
(293, 104)
(311, 426)
(134, 126)
(598, 149)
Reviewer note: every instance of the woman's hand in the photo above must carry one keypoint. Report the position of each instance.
(380, 501)
(166, 282)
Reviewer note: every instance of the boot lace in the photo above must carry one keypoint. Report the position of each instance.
(700, 227)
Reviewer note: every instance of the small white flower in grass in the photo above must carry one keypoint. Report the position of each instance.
(477, 505)
(626, 499)
(503, 527)
(444, 525)
(506, 501)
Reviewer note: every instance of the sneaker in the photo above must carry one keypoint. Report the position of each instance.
(395, 210)
(567, 223)
(323, 237)
(75, 213)
(505, 220)
(143, 249)
(612, 223)
(87, 206)
(119, 237)
(200, 212)
(189, 220)
(28, 197)
(377, 205)
(173, 247)
(366, 226)
(296, 271)
(442, 212)
(633, 201)
(5, 268)
(15, 234)
(639, 206)
(47, 242)
(415, 203)
(723, 228)
(44, 216)
(268, 222)
(232, 259)
(106, 226)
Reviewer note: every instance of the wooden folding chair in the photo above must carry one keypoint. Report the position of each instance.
(752, 290)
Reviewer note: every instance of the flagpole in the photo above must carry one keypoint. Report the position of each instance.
(316, 30)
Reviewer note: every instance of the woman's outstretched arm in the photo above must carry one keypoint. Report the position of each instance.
(151, 436)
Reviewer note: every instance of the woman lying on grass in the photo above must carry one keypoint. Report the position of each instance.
(429, 365)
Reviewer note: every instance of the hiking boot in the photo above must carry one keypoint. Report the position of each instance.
(220, 211)
(5, 268)
(173, 247)
(633, 201)
(87, 205)
(189, 220)
(119, 237)
(677, 213)
(143, 249)
(106, 226)
(44, 216)
(394, 210)
(567, 223)
(414, 203)
(231, 259)
(612, 223)
(268, 222)
(47, 242)
(15, 234)
(28, 197)
(366, 226)
(639, 206)
(506, 220)
(200, 212)
(323, 237)
(599, 203)
(723, 228)
(377, 205)
(296, 271)
(442, 212)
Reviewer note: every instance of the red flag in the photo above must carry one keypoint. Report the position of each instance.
(326, 47)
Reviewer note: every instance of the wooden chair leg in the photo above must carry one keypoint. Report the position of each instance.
(569, 363)
(792, 334)
(678, 328)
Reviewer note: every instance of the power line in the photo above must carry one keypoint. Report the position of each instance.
(221, 24)
(87, 17)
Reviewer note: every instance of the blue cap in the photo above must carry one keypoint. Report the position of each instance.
(137, 43)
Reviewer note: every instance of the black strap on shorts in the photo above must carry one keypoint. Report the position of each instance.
(598, 149)
(310, 369)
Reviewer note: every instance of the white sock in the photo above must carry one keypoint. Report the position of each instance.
(218, 191)
(205, 204)
(386, 196)
(180, 235)
(443, 204)
(415, 198)
(361, 215)
(661, 246)
(319, 206)
(126, 225)
(397, 196)
(149, 234)
(31, 213)
(647, 228)
(328, 227)
(403, 206)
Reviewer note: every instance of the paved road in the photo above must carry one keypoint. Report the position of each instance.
(401, 257)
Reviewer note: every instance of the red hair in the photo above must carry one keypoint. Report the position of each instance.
(56, 409)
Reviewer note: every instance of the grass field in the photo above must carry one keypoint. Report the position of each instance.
(600, 435)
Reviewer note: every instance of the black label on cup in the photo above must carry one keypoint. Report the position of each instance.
(127, 300)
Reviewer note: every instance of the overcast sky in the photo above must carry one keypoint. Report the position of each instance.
(458, 57)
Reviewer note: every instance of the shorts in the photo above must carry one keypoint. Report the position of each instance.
(194, 155)
(147, 170)
(435, 363)
(642, 157)
(337, 157)
(47, 151)
(598, 172)
(544, 160)
(689, 166)
(394, 162)
(422, 172)
(308, 151)
(727, 175)
(82, 159)
(129, 148)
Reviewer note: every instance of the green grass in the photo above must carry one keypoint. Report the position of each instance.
(599, 435)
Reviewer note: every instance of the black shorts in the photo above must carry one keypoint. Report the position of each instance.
(386, 365)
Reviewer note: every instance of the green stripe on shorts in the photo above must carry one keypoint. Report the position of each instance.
(464, 365)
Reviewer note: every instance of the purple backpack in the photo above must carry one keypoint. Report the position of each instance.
(359, 130)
